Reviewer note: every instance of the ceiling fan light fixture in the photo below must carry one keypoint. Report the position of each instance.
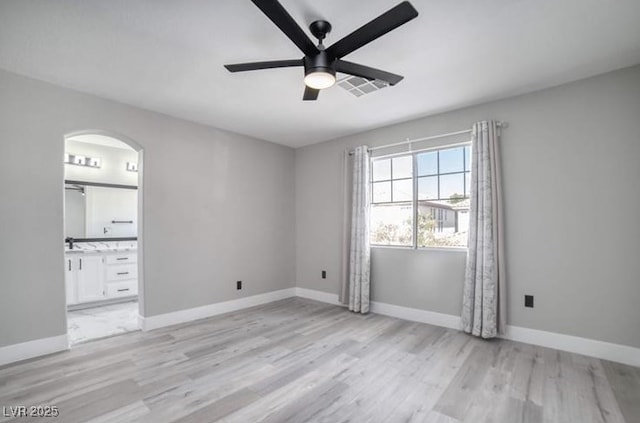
(320, 63)
(320, 79)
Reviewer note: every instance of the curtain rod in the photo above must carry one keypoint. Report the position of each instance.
(433, 137)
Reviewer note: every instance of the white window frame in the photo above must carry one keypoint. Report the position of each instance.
(414, 155)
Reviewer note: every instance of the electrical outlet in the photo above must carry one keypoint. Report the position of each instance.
(324, 274)
(528, 301)
(239, 285)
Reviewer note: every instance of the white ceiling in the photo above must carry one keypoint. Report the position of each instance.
(167, 56)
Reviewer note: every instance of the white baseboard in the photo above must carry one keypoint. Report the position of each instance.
(585, 346)
(406, 313)
(188, 315)
(324, 297)
(417, 315)
(31, 349)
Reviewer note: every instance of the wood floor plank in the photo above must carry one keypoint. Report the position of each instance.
(467, 382)
(625, 383)
(88, 405)
(222, 407)
(298, 360)
(297, 389)
(132, 412)
(57, 389)
(309, 404)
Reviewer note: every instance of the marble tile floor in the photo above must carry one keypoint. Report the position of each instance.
(100, 322)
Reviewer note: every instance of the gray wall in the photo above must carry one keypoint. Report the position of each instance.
(571, 169)
(218, 207)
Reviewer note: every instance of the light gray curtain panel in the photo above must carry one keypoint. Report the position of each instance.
(484, 294)
(356, 281)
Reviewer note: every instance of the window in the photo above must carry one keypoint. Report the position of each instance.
(421, 199)
(392, 201)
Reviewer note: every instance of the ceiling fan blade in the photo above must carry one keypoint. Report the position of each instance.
(310, 94)
(384, 23)
(367, 72)
(242, 67)
(283, 20)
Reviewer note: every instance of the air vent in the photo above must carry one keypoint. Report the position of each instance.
(361, 86)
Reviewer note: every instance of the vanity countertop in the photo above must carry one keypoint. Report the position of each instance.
(102, 247)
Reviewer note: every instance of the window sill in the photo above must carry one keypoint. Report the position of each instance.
(410, 248)
(393, 247)
(452, 249)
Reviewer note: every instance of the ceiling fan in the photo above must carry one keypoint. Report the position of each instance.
(320, 63)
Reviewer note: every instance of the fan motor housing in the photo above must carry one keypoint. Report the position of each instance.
(319, 63)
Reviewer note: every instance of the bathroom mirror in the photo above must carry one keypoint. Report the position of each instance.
(95, 210)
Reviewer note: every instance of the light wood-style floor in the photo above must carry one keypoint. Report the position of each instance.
(297, 360)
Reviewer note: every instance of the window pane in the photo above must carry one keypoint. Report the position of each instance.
(452, 186)
(467, 158)
(402, 167)
(403, 190)
(427, 163)
(381, 192)
(451, 160)
(392, 224)
(381, 170)
(428, 188)
(443, 225)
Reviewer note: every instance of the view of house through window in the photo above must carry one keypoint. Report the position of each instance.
(423, 196)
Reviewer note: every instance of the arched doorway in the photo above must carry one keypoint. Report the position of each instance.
(103, 234)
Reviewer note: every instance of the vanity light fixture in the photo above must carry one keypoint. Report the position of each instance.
(92, 162)
(132, 166)
(76, 159)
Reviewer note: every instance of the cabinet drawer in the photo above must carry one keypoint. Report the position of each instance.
(121, 258)
(122, 289)
(122, 272)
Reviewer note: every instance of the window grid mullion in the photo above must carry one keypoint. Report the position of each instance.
(391, 176)
(390, 180)
(438, 165)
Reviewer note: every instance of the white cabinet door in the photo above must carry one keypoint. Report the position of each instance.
(70, 279)
(90, 279)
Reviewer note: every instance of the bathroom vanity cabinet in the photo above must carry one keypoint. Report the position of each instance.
(97, 276)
